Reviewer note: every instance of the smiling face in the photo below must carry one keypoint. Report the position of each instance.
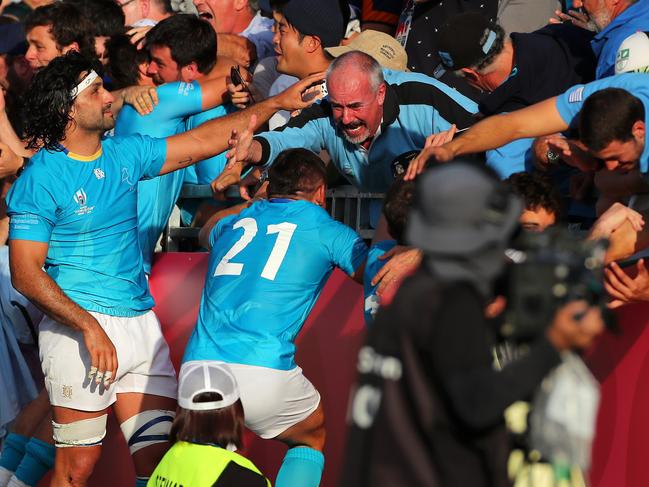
(357, 109)
(288, 47)
(162, 68)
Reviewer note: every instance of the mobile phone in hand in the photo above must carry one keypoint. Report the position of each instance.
(237, 79)
(312, 91)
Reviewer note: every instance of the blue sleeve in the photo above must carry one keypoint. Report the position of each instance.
(218, 228)
(177, 100)
(511, 158)
(569, 103)
(205, 171)
(346, 248)
(146, 154)
(310, 136)
(31, 207)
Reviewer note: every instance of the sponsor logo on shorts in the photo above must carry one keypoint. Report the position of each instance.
(67, 392)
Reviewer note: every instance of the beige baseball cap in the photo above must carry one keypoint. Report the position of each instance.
(633, 54)
(384, 48)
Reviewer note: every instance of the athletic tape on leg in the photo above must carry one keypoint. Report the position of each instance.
(147, 428)
(87, 432)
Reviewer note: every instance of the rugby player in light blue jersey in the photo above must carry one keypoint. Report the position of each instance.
(267, 267)
(74, 253)
(183, 48)
(195, 83)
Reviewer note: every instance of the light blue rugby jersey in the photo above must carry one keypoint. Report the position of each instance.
(157, 197)
(86, 208)
(205, 171)
(569, 103)
(374, 264)
(267, 268)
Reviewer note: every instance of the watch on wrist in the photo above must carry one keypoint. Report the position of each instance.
(553, 157)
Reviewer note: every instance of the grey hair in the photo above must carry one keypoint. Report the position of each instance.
(365, 63)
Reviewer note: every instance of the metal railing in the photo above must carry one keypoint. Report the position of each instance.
(345, 204)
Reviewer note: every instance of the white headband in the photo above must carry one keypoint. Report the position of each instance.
(85, 82)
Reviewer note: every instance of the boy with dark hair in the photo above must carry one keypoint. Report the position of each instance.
(268, 265)
(542, 205)
(53, 30)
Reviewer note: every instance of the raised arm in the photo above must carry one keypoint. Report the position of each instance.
(542, 118)
(212, 137)
(26, 260)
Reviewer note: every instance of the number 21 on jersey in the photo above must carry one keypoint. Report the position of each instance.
(284, 233)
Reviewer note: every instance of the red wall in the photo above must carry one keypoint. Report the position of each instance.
(327, 353)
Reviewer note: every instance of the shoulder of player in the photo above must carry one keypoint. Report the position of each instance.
(170, 92)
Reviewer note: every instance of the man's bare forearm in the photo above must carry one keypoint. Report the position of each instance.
(8, 136)
(212, 137)
(43, 292)
(534, 121)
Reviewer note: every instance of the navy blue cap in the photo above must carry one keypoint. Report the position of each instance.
(12, 39)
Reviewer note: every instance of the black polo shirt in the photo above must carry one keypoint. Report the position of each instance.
(546, 63)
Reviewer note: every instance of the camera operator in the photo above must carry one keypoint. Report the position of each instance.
(428, 408)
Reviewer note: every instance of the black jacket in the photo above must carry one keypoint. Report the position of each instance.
(428, 409)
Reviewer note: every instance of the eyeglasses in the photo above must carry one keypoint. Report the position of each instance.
(124, 4)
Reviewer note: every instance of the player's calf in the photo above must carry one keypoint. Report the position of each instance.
(304, 462)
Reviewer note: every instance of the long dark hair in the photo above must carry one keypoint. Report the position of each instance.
(211, 427)
(48, 101)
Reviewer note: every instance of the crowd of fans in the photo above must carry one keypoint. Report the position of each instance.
(109, 107)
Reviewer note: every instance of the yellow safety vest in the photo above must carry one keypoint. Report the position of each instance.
(191, 465)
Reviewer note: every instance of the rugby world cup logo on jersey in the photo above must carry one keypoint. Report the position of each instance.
(81, 198)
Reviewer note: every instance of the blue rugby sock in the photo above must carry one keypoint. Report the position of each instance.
(13, 451)
(302, 467)
(141, 481)
(38, 460)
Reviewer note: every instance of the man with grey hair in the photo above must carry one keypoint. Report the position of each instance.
(364, 123)
(615, 21)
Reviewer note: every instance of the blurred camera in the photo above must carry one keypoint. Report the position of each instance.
(547, 270)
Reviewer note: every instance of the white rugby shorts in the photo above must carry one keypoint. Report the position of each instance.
(274, 400)
(142, 354)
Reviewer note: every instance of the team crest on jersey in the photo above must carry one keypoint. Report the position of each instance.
(81, 198)
(99, 174)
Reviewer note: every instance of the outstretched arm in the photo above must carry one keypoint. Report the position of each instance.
(212, 137)
(542, 118)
